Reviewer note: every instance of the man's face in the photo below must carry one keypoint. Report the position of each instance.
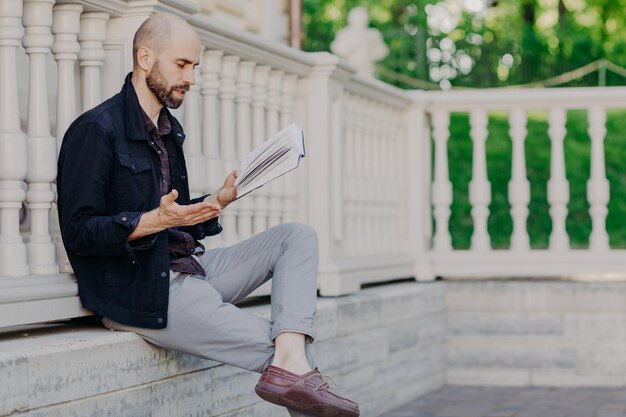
(173, 71)
(170, 95)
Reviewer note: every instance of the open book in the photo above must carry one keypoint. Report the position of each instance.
(277, 156)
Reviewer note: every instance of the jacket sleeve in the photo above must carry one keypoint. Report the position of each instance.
(85, 173)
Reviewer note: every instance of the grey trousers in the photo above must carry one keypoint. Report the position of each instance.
(202, 319)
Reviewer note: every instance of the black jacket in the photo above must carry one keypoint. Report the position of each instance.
(107, 175)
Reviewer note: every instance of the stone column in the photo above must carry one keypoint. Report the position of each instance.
(519, 186)
(211, 63)
(13, 161)
(192, 121)
(286, 118)
(244, 140)
(479, 187)
(598, 188)
(228, 151)
(91, 36)
(42, 147)
(259, 102)
(558, 187)
(65, 27)
(276, 188)
(442, 187)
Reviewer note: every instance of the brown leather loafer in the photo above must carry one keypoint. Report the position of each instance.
(308, 393)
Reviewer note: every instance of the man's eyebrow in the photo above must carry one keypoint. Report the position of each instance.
(188, 61)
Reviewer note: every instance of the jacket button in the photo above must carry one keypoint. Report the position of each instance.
(160, 320)
(124, 218)
(163, 274)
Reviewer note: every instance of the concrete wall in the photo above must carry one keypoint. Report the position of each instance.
(382, 347)
(536, 333)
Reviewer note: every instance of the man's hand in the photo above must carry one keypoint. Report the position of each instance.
(171, 214)
(226, 194)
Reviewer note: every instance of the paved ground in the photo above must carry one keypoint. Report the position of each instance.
(516, 402)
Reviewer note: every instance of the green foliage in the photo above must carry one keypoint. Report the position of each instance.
(511, 42)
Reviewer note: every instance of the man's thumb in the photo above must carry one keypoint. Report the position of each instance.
(172, 196)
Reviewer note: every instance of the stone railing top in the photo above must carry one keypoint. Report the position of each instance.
(494, 99)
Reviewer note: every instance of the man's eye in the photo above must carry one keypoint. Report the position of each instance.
(180, 65)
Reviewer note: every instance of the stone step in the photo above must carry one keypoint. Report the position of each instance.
(364, 341)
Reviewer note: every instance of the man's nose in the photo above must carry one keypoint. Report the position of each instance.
(189, 77)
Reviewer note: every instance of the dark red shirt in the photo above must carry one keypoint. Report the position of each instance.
(182, 244)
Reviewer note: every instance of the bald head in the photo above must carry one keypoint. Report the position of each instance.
(158, 31)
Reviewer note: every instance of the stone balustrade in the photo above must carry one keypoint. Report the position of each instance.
(375, 176)
(520, 260)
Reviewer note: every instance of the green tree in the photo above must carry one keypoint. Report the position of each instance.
(509, 42)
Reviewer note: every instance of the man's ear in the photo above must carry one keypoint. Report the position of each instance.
(145, 58)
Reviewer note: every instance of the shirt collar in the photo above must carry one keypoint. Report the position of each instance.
(164, 125)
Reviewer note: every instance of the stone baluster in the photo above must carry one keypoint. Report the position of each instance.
(359, 169)
(65, 27)
(441, 187)
(228, 141)
(387, 211)
(276, 188)
(244, 140)
(42, 147)
(335, 160)
(393, 178)
(210, 70)
(558, 187)
(91, 37)
(192, 121)
(377, 214)
(259, 101)
(519, 186)
(13, 144)
(397, 161)
(290, 205)
(598, 188)
(349, 179)
(391, 145)
(479, 187)
(366, 177)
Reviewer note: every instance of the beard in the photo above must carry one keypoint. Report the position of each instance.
(162, 90)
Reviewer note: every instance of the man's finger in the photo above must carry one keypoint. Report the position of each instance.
(171, 197)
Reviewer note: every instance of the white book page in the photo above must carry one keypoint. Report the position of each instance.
(278, 155)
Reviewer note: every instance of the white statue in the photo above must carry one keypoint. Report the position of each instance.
(361, 45)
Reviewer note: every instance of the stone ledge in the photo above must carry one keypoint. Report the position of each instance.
(536, 333)
(68, 370)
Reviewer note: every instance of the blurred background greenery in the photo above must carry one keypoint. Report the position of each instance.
(443, 44)
(483, 43)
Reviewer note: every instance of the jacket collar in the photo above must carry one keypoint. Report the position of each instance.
(135, 125)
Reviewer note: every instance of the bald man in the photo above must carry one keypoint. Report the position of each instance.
(133, 233)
